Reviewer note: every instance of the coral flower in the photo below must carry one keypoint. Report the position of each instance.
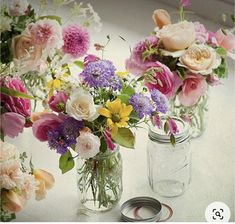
(117, 114)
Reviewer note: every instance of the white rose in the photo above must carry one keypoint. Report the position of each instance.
(200, 59)
(8, 151)
(81, 106)
(17, 7)
(177, 36)
(88, 145)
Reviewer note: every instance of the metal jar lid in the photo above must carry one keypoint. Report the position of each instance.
(158, 135)
(141, 209)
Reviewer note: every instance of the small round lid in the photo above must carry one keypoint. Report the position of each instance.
(159, 135)
(141, 209)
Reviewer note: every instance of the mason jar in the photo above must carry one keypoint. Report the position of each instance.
(169, 167)
(99, 180)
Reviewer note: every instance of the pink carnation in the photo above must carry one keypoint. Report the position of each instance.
(76, 40)
(44, 124)
(15, 104)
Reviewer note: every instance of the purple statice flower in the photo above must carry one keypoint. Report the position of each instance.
(141, 104)
(115, 83)
(160, 100)
(147, 44)
(99, 73)
(71, 127)
(59, 142)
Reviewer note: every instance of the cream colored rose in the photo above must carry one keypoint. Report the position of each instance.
(199, 59)
(177, 36)
(161, 17)
(8, 151)
(81, 106)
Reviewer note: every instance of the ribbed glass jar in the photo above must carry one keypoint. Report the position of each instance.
(99, 180)
(169, 167)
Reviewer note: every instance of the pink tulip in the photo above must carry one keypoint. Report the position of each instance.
(12, 124)
(173, 129)
(15, 104)
(13, 202)
(58, 101)
(44, 124)
(193, 88)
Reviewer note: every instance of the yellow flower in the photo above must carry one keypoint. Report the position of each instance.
(122, 74)
(117, 114)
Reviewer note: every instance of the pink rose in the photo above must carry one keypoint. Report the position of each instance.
(12, 124)
(163, 79)
(226, 39)
(58, 101)
(44, 124)
(15, 104)
(193, 88)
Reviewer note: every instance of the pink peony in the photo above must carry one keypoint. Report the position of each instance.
(201, 33)
(44, 124)
(173, 129)
(193, 88)
(227, 41)
(12, 124)
(76, 41)
(58, 101)
(163, 79)
(15, 104)
(46, 33)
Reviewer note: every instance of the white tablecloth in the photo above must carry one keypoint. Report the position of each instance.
(213, 153)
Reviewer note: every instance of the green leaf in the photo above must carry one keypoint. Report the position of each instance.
(128, 90)
(221, 51)
(172, 139)
(181, 72)
(166, 127)
(134, 118)
(222, 70)
(124, 98)
(57, 18)
(140, 78)
(80, 64)
(125, 137)
(12, 92)
(103, 145)
(66, 162)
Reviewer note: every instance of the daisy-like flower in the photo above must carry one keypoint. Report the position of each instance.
(142, 104)
(117, 114)
(76, 41)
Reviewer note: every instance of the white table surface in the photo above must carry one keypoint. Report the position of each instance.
(213, 153)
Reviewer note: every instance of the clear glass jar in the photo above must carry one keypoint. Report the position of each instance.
(99, 180)
(169, 167)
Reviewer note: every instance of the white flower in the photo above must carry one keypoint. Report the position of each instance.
(81, 106)
(28, 185)
(8, 151)
(5, 24)
(88, 145)
(17, 7)
(200, 59)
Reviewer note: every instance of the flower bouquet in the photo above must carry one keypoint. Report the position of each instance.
(89, 118)
(18, 182)
(182, 60)
(36, 45)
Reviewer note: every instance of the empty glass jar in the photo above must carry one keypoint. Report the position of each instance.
(169, 167)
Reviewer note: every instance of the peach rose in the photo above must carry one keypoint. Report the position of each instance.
(26, 52)
(13, 202)
(199, 59)
(161, 18)
(177, 36)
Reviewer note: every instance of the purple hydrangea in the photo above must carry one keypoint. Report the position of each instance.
(141, 104)
(56, 140)
(100, 74)
(71, 127)
(160, 100)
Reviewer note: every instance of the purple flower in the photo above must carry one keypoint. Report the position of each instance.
(184, 3)
(141, 104)
(71, 127)
(56, 140)
(76, 41)
(101, 74)
(160, 100)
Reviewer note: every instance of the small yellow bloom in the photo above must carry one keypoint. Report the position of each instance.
(117, 114)
(122, 74)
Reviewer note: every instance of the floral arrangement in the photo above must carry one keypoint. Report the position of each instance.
(18, 183)
(37, 47)
(181, 60)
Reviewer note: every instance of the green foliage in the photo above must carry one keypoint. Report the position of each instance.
(66, 162)
(222, 70)
(221, 51)
(172, 139)
(124, 98)
(6, 217)
(181, 72)
(12, 92)
(80, 64)
(124, 137)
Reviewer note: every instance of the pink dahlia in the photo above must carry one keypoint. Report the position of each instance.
(76, 40)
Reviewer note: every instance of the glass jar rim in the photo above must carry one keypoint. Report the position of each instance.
(109, 152)
(158, 135)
